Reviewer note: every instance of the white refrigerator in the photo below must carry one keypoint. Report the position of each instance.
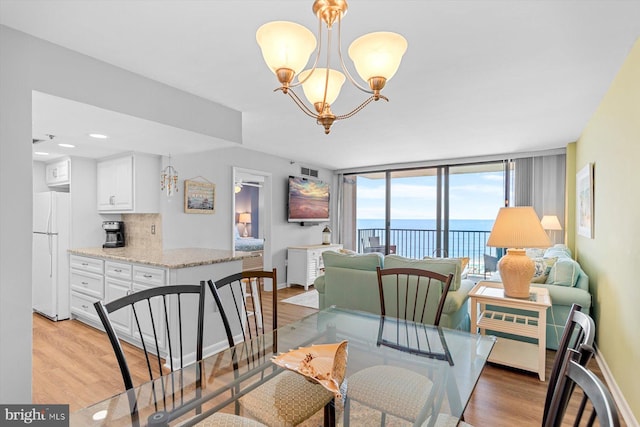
(50, 262)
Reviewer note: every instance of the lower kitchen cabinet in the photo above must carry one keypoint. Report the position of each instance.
(86, 276)
(107, 279)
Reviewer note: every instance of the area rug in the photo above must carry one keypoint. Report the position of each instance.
(307, 299)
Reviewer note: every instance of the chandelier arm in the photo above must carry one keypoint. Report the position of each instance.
(301, 104)
(344, 66)
(360, 107)
(315, 62)
(326, 77)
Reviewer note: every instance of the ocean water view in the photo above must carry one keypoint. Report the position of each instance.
(417, 238)
(429, 224)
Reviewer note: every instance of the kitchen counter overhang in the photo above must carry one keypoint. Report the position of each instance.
(171, 258)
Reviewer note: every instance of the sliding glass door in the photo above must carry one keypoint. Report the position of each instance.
(434, 212)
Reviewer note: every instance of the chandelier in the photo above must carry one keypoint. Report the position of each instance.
(287, 46)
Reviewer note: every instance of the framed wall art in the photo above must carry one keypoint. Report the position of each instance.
(199, 197)
(584, 201)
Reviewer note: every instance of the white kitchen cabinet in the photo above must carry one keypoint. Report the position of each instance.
(115, 184)
(122, 279)
(129, 184)
(157, 308)
(120, 319)
(58, 173)
(304, 263)
(87, 286)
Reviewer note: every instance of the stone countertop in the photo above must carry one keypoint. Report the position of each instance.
(171, 258)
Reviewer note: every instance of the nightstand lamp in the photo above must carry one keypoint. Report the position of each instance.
(244, 219)
(517, 228)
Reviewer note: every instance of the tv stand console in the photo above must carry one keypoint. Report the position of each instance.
(304, 263)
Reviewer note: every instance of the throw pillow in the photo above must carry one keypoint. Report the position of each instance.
(444, 266)
(564, 272)
(542, 268)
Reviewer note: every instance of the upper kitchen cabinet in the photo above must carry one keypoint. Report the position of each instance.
(58, 173)
(129, 184)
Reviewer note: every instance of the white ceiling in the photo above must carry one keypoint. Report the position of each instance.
(479, 77)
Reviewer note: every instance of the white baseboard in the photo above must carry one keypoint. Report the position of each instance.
(623, 406)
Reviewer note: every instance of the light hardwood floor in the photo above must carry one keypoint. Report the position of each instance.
(74, 364)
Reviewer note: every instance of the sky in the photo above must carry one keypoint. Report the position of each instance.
(472, 196)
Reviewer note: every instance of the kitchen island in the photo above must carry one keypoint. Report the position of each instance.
(109, 273)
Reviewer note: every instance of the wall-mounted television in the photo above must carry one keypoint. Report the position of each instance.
(308, 200)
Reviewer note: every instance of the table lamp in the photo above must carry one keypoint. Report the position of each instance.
(517, 228)
(244, 219)
(551, 223)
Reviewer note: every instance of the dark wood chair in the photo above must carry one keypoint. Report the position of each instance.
(149, 310)
(413, 294)
(578, 336)
(171, 318)
(242, 314)
(407, 294)
(595, 398)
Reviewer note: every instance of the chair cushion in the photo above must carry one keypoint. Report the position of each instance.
(367, 262)
(444, 266)
(286, 400)
(390, 389)
(228, 420)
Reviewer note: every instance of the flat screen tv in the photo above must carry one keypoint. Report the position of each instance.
(308, 200)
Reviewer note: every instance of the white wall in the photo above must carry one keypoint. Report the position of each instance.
(214, 231)
(32, 64)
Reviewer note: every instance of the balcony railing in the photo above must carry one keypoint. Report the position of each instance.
(413, 243)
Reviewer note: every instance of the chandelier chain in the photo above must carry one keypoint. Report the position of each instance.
(360, 107)
(301, 104)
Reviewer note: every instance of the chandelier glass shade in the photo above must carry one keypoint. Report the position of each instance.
(287, 46)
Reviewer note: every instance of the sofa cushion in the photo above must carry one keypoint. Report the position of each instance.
(367, 262)
(558, 251)
(444, 266)
(564, 272)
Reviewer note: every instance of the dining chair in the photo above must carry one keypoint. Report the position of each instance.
(286, 399)
(578, 336)
(595, 396)
(409, 294)
(149, 313)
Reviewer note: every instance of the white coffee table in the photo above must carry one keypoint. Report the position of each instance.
(509, 352)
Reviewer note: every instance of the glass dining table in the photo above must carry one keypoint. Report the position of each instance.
(451, 360)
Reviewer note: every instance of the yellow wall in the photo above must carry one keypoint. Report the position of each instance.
(611, 141)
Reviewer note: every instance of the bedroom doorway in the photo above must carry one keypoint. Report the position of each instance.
(251, 225)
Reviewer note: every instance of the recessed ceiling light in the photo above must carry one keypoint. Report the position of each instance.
(67, 145)
(98, 135)
(41, 153)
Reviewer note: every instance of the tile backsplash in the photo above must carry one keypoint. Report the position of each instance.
(143, 231)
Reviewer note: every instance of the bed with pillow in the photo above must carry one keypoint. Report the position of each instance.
(557, 271)
(253, 245)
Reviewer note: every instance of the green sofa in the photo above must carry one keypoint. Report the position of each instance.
(567, 284)
(351, 281)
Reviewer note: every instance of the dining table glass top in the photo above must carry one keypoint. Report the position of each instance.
(452, 360)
